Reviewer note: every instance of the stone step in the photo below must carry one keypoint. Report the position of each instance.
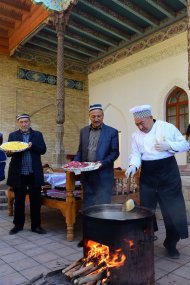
(184, 170)
(3, 199)
(3, 206)
(3, 187)
(2, 193)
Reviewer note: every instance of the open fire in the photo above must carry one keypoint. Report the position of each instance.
(95, 267)
(118, 248)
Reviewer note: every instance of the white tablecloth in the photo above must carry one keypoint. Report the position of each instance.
(57, 179)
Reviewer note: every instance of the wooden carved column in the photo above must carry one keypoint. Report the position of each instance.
(188, 39)
(60, 21)
(60, 24)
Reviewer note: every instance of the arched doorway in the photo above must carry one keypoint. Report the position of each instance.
(177, 109)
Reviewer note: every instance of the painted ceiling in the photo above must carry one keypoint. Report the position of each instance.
(96, 28)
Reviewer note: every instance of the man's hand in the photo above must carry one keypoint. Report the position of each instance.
(29, 145)
(131, 170)
(8, 152)
(162, 146)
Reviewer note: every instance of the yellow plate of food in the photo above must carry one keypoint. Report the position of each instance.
(14, 146)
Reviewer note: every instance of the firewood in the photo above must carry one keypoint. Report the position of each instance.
(99, 266)
(82, 270)
(72, 270)
(71, 265)
(91, 277)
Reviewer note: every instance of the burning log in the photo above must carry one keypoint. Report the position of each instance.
(72, 270)
(99, 266)
(75, 263)
(91, 277)
(83, 270)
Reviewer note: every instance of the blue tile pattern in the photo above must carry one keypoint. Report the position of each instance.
(47, 78)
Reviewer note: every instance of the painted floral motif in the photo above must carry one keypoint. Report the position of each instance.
(57, 5)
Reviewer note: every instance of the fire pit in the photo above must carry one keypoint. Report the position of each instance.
(128, 235)
(118, 249)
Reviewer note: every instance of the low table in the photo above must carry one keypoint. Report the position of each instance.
(57, 179)
(69, 206)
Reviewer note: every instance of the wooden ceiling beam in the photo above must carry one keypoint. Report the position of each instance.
(113, 16)
(4, 50)
(7, 24)
(11, 5)
(49, 34)
(4, 42)
(160, 6)
(138, 12)
(82, 30)
(97, 23)
(10, 15)
(37, 17)
(3, 33)
(184, 2)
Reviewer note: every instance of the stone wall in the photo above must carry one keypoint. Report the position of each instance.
(39, 100)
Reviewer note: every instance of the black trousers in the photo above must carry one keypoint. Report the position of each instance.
(27, 187)
(160, 182)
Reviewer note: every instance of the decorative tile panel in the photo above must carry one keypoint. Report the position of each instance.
(36, 76)
(47, 78)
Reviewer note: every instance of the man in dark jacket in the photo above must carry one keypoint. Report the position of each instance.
(98, 142)
(25, 175)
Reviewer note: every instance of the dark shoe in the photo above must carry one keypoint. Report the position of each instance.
(80, 244)
(39, 230)
(172, 251)
(15, 230)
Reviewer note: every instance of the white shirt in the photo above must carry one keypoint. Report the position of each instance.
(143, 144)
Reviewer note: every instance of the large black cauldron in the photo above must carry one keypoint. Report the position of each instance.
(108, 225)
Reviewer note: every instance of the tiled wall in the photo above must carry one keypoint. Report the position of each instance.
(39, 100)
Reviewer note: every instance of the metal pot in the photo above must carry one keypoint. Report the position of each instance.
(107, 224)
(114, 212)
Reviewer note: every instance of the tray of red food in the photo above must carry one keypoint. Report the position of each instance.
(77, 166)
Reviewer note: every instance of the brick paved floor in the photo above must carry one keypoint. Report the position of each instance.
(26, 254)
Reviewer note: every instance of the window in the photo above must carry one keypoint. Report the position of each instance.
(177, 110)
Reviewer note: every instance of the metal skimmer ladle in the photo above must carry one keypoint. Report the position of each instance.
(129, 204)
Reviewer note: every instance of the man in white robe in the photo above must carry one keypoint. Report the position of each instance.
(154, 145)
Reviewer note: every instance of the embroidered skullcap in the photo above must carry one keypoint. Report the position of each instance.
(95, 106)
(142, 111)
(22, 116)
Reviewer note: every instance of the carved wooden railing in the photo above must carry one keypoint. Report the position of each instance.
(125, 188)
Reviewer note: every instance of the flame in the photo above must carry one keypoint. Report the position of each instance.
(130, 243)
(100, 253)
